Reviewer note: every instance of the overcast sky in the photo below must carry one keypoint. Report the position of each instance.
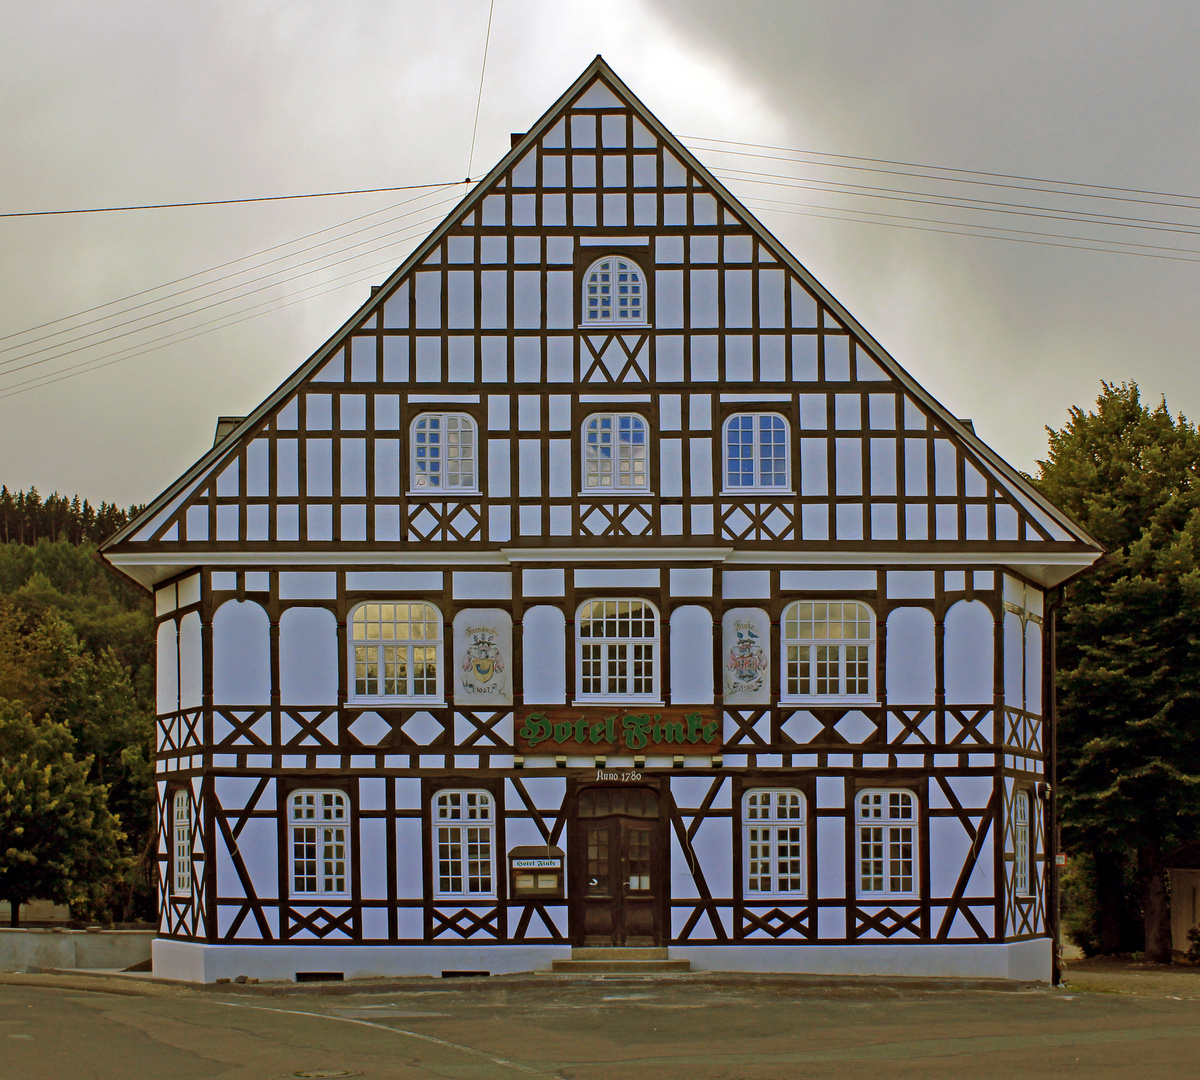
(134, 101)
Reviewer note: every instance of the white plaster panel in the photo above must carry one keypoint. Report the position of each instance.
(165, 600)
(691, 581)
(408, 860)
(691, 655)
(949, 846)
(831, 857)
(713, 848)
(303, 585)
(969, 653)
(372, 793)
(690, 791)
(702, 480)
(394, 581)
(683, 881)
(771, 284)
(308, 657)
(560, 301)
(543, 582)
(483, 657)
(910, 584)
(241, 642)
(527, 299)
(372, 858)
(1014, 591)
(189, 591)
(668, 299)
(911, 663)
(848, 458)
(883, 467)
(258, 843)
(544, 639)
(1014, 656)
(633, 578)
(482, 585)
(814, 467)
(945, 461)
(746, 656)
(168, 667)
(354, 467)
(546, 793)
(671, 468)
(746, 584)
(521, 832)
(191, 661)
(498, 459)
(915, 476)
(827, 580)
(530, 468)
(1033, 668)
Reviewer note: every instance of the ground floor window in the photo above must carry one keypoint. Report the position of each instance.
(886, 821)
(464, 831)
(1021, 874)
(773, 842)
(181, 844)
(319, 822)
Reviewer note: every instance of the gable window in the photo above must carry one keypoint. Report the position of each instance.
(443, 453)
(887, 842)
(615, 453)
(617, 650)
(181, 844)
(756, 452)
(773, 840)
(828, 650)
(319, 823)
(464, 828)
(1021, 850)
(396, 651)
(614, 293)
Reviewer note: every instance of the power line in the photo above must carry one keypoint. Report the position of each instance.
(479, 97)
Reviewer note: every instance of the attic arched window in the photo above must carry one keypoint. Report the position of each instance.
(614, 293)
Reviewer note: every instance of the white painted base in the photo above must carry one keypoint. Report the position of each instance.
(1027, 961)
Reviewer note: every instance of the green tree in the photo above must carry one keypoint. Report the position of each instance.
(1129, 649)
(58, 837)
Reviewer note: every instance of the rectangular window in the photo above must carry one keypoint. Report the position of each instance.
(615, 452)
(887, 843)
(464, 835)
(1021, 851)
(774, 842)
(181, 884)
(319, 836)
(756, 452)
(443, 452)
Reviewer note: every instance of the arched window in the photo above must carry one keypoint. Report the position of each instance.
(442, 453)
(1021, 849)
(464, 824)
(617, 650)
(319, 823)
(887, 843)
(828, 650)
(396, 651)
(614, 293)
(773, 842)
(615, 453)
(181, 844)
(756, 452)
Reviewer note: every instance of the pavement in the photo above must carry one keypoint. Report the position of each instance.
(1111, 1020)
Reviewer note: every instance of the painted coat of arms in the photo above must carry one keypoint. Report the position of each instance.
(746, 666)
(483, 662)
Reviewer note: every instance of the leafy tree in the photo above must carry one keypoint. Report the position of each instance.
(59, 840)
(1129, 649)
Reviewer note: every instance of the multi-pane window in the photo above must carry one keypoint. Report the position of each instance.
(395, 650)
(614, 292)
(615, 452)
(319, 822)
(756, 452)
(887, 842)
(773, 840)
(463, 829)
(828, 649)
(1021, 844)
(617, 649)
(181, 844)
(443, 452)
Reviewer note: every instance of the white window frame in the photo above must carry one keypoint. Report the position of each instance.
(366, 653)
(621, 448)
(593, 309)
(463, 819)
(319, 843)
(181, 843)
(1022, 851)
(616, 654)
(774, 819)
(419, 478)
(808, 655)
(887, 843)
(729, 487)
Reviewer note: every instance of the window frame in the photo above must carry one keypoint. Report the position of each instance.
(616, 418)
(653, 697)
(773, 824)
(1022, 849)
(786, 642)
(321, 844)
(438, 824)
(424, 490)
(593, 265)
(757, 487)
(181, 853)
(888, 824)
(439, 646)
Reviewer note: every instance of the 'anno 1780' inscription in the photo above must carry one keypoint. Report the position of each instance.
(694, 730)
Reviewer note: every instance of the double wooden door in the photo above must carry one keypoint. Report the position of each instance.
(618, 887)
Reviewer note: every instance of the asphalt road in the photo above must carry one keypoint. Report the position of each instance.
(723, 1028)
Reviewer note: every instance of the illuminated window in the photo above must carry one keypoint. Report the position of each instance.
(887, 843)
(756, 452)
(464, 827)
(319, 822)
(443, 453)
(617, 650)
(613, 293)
(396, 651)
(615, 453)
(828, 650)
(773, 842)
(181, 849)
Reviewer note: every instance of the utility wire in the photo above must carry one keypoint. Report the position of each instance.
(479, 97)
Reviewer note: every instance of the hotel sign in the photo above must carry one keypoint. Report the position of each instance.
(568, 729)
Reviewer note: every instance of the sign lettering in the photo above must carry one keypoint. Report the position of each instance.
(674, 730)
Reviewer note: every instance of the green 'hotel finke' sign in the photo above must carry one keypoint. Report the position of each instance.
(581, 730)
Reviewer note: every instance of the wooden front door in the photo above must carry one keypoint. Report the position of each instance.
(618, 887)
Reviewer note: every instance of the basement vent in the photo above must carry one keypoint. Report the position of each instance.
(465, 974)
(320, 976)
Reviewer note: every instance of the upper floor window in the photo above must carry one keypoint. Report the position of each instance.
(773, 827)
(396, 651)
(756, 452)
(1021, 849)
(886, 821)
(443, 453)
(464, 837)
(828, 650)
(617, 650)
(319, 822)
(614, 293)
(615, 453)
(181, 846)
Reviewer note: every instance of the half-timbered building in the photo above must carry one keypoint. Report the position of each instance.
(601, 582)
